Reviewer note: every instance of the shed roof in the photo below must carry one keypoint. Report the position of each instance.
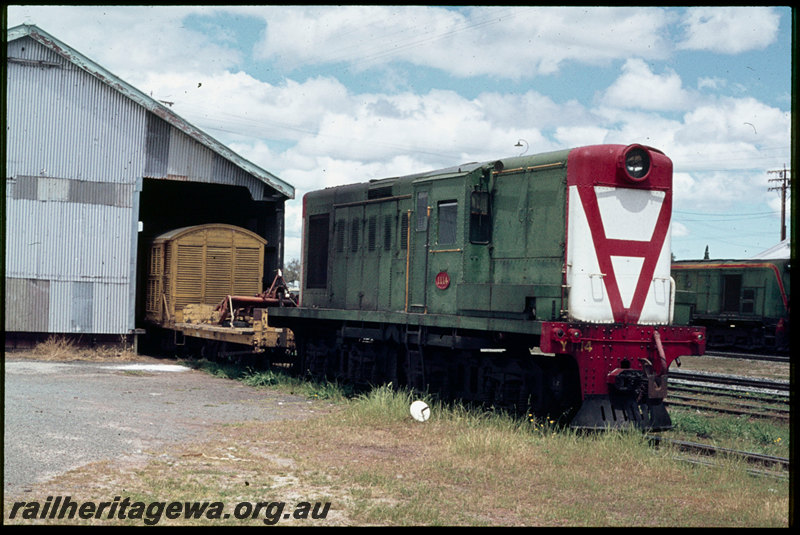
(153, 106)
(781, 250)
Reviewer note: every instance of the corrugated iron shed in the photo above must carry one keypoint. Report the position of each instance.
(80, 145)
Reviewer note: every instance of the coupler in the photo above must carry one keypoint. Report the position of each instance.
(623, 369)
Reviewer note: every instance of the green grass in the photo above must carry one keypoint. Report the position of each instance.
(737, 432)
(465, 466)
(383, 404)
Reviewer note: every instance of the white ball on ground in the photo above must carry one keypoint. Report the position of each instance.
(420, 411)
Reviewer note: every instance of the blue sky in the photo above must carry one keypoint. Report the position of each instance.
(328, 95)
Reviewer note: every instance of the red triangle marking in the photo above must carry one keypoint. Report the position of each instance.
(605, 248)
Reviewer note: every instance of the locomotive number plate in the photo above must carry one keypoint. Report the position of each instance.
(442, 280)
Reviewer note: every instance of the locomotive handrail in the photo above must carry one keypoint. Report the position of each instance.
(531, 168)
(672, 293)
(372, 201)
(408, 252)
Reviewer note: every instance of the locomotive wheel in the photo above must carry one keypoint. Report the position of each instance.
(315, 354)
(545, 386)
(514, 380)
(360, 363)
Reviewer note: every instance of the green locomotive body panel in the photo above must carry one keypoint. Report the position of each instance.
(471, 244)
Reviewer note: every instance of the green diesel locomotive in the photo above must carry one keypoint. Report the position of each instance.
(743, 304)
(537, 282)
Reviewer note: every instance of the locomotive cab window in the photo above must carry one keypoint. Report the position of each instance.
(317, 255)
(448, 221)
(480, 230)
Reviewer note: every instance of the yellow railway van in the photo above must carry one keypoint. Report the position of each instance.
(201, 265)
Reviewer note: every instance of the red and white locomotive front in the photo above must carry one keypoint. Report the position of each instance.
(619, 295)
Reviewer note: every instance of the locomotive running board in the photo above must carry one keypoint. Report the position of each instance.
(600, 412)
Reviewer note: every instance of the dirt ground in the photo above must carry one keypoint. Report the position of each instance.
(67, 411)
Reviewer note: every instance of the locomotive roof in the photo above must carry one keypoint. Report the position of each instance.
(466, 168)
(781, 250)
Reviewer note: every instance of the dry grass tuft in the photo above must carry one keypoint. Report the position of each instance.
(61, 348)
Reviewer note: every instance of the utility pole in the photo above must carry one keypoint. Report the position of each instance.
(786, 183)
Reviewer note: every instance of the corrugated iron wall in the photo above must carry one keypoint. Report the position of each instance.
(173, 155)
(79, 147)
(74, 163)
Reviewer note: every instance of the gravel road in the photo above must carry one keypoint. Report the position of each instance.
(62, 415)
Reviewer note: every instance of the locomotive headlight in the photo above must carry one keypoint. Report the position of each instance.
(637, 163)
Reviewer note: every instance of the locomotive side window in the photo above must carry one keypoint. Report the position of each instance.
(317, 256)
(480, 230)
(422, 210)
(448, 221)
(748, 301)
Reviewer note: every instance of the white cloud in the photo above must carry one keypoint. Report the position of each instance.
(735, 130)
(237, 102)
(131, 39)
(775, 205)
(576, 136)
(712, 83)
(729, 30)
(501, 42)
(638, 87)
(717, 191)
(678, 230)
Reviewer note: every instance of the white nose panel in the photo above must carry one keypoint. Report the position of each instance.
(629, 214)
(618, 247)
